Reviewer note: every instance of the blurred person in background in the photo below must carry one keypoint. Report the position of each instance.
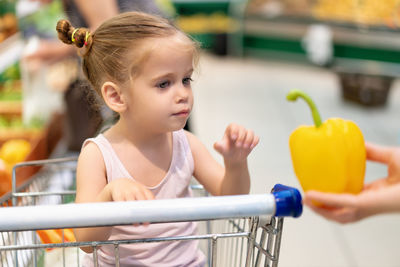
(84, 116)
(378, 197)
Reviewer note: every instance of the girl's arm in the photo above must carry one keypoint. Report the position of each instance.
(92, 186)
(235, 146)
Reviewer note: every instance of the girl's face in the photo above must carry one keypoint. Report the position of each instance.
(160, 96)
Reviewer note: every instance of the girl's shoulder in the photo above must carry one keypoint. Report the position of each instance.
(90, 151)
(190, 136)
(193, 141)
(92, 145)
(90, 163)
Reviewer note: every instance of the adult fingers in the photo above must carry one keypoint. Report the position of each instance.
(329, 199)
(341, 215)
(378, 153)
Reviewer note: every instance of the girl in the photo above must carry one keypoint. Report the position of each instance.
(142, 65)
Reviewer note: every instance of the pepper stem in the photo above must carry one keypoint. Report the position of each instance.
(294, 94)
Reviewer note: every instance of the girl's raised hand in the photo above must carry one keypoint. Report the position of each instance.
(125, 189)
(236, 143)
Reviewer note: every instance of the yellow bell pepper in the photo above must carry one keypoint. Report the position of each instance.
(328, 156)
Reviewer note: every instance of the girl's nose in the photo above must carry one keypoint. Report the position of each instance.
(182, 94)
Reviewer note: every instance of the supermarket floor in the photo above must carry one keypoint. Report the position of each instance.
(252, 93)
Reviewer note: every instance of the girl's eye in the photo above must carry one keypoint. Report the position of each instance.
(187, 81)
(163, 85)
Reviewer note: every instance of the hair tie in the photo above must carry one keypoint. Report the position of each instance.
(86, 37)
(72, 36)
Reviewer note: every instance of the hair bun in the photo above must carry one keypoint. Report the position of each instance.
(64, 30)
(70, 35)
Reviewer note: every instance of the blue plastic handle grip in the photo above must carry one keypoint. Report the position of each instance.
(288, 201)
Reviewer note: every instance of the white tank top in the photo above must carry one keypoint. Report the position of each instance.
(175, 184)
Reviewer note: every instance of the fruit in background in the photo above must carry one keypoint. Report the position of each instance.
(8, 25)
(14, 151)
(3, 122)
(36, 123)
(328, 156)
(12, 73)
(10, 91)
(202, 23)
(5, 178)
(52, 236)
(372, 12)
(16, 123)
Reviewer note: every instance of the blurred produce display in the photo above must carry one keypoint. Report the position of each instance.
(11, 125)
(35, 138)
(10, 84)
(8, 20)
(14, 151)
(42, 21)
(368, 12)
(209, 22)
(11, 152)
(217, 22)
(273, 8)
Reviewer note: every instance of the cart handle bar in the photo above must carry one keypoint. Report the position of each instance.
(156, 211)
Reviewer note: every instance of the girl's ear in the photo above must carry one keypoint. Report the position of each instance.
(113, 97)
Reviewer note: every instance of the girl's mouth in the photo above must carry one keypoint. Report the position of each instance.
(183, 113)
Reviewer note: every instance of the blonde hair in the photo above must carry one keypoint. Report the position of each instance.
(115, 50)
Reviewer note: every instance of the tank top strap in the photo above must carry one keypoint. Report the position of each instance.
(181, 143)
(114, 166)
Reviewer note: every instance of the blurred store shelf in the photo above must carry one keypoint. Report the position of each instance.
(10, 51)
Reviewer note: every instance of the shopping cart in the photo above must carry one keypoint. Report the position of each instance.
(243, 230)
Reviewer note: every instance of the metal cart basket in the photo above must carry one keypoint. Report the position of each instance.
(243, 230)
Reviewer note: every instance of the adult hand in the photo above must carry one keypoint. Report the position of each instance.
(380, 196)
(49, 51)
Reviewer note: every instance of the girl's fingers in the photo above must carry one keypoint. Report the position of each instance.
(142, 193)
(236, 137)
(148, 194)
(255, 142)
(222, 146)
(236, 134)
(232, 132)
(139, 195)
(248, 142)
(242, 135)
